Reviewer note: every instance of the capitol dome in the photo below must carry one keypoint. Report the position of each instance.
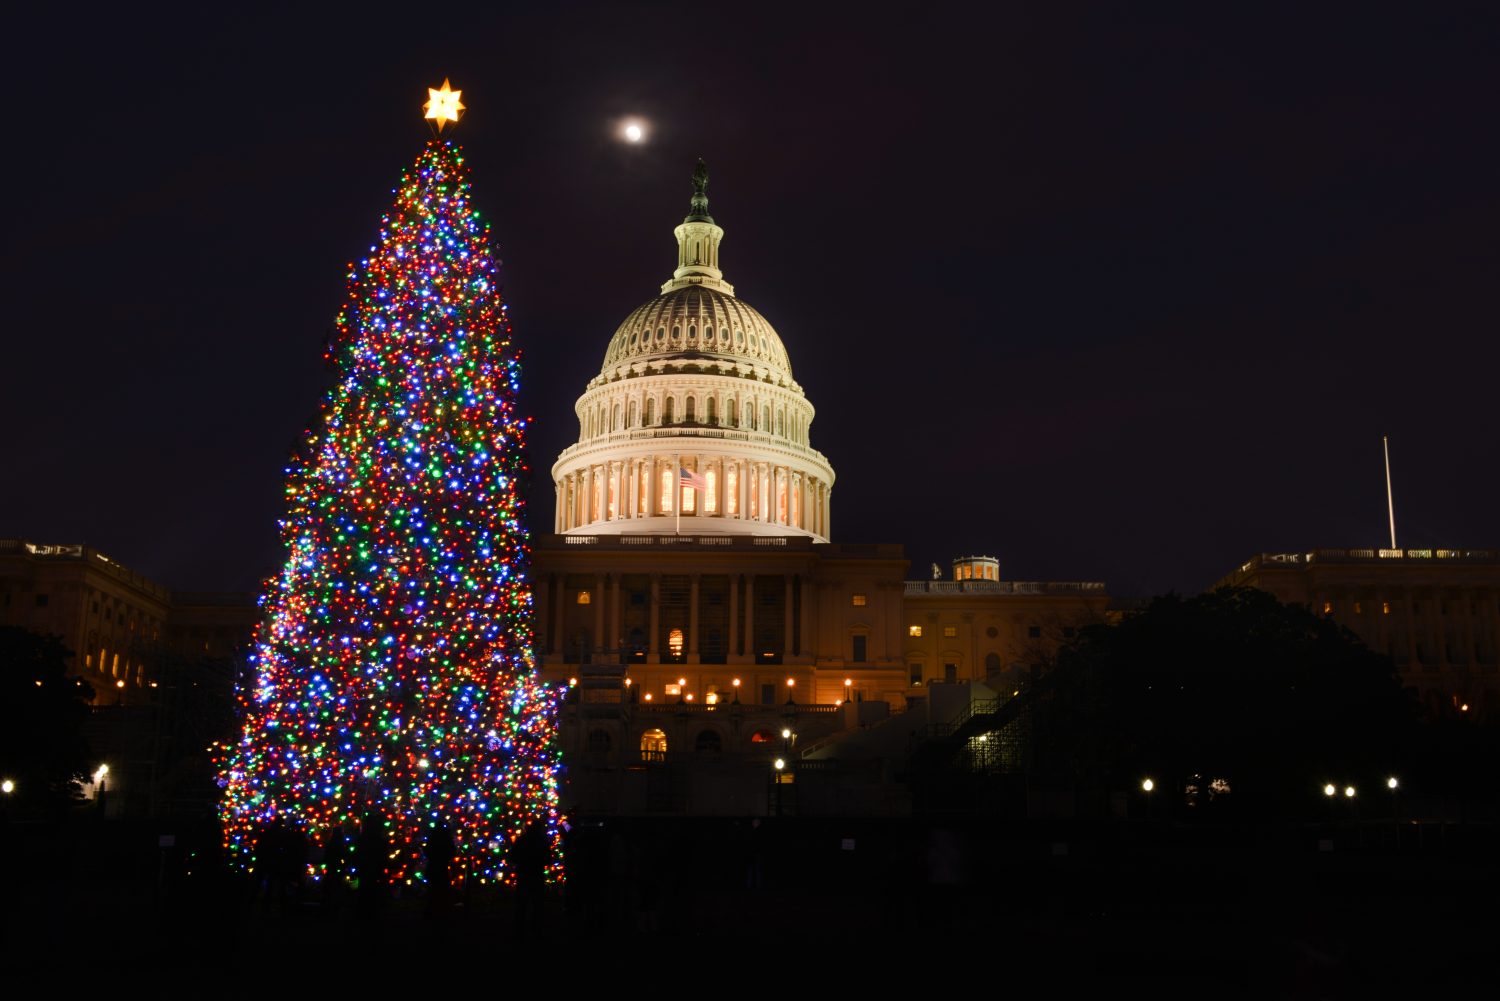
(694, 423)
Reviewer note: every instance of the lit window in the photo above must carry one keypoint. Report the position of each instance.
(689, 500)
(654, 742)
(1385, 608)
(914, 630)
(732, 490)
(674, 689)
(858, 601)
(668, 485)
(950, 631)
(584, 598)
(1358, 609)
(674, 642)
(915, 675)
(1327, 608)
(711, 495)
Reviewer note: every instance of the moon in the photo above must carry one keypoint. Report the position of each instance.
(634, 132)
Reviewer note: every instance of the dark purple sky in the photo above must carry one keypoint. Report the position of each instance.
(1118, 296)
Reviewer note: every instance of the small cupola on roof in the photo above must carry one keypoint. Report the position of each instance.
(698, 374)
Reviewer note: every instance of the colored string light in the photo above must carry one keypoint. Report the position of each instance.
(393, 679)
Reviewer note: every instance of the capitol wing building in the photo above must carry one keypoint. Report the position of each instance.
(696, 385)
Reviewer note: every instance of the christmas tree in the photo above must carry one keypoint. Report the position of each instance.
(392, 679)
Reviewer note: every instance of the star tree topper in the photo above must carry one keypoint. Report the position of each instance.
(443, 105)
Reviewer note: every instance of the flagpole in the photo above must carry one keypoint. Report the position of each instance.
(1390, 503)
(677, 501)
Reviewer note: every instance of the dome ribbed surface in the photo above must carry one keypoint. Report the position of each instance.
(697, 321)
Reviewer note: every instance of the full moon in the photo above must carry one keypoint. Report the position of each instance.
(634, 133)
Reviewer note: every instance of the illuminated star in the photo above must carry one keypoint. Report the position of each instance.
(443, 105)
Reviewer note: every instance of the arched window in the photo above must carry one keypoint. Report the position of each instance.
(654, 745)
(713, 413)
(689, 414)
(750, 416)
(708, 742)
(765, 424)
(630, 415)
(692, 332)
(668, 488)
(729, 412)
(650, 412)
(599, 742)
(991, 664)
(614, 418)
(667, 411)
(781, 423)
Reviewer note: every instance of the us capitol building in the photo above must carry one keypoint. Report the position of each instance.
(692, 597)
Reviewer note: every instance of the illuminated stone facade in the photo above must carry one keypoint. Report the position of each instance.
(1435, 612)
(709, 627)
(113, 619)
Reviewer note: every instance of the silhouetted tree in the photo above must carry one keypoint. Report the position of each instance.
(42, 715)
(1271, 699)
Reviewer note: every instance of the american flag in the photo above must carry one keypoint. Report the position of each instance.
(691, 479)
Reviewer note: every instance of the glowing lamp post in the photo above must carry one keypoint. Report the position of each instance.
(1147, 785)
(7, 787)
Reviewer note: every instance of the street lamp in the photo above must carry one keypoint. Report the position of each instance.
(1147, 785)
(736, 684)
(1348, 792)
(848, 688)
(1330, 790)
(790, 684)
(7, 787)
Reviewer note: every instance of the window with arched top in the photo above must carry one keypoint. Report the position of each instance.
(688, 413)
(667, 409)
(650, 412)
(668, 486)
(708, 742)
(713, 412)
(653, 745)
(729, 411)
(614, 418)
(630, 415)
(765, 414)
(991, 664)
(692, 332)
(599, 742)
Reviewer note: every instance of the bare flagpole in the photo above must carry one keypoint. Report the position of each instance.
(1390, 503)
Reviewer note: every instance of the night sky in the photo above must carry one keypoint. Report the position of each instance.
(1113, 296)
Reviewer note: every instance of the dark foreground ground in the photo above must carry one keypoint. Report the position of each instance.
(796, 907)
